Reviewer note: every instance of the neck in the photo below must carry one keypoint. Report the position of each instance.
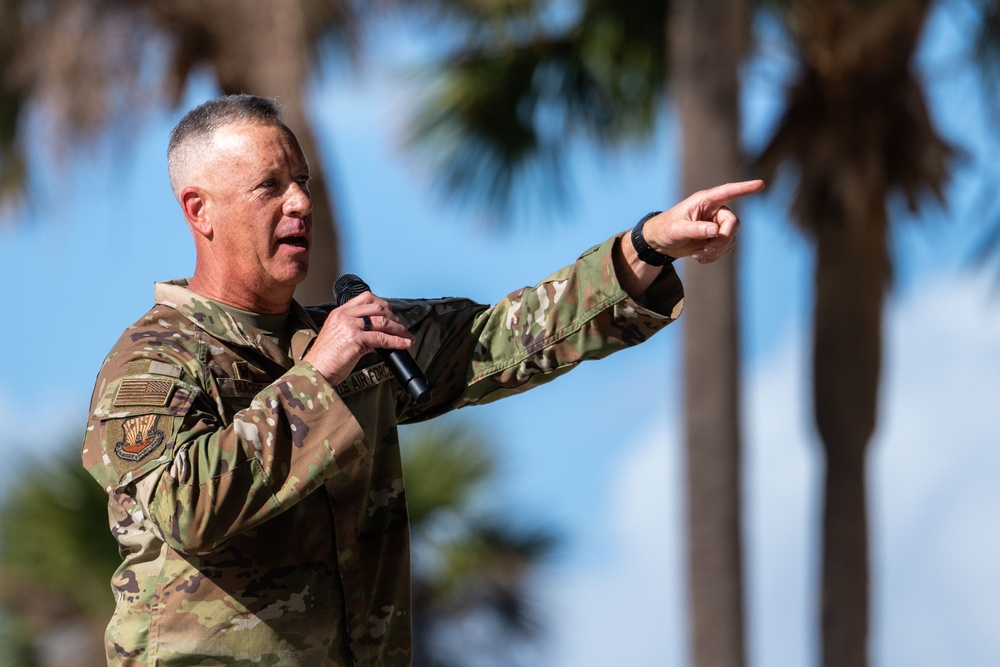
(251, 298)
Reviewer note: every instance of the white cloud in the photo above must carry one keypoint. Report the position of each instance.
(935, 499)
(629, 608)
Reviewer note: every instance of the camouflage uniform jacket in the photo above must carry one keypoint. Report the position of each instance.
(259, 510)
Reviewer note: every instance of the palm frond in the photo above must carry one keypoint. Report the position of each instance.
(490, 568)
(445, 467)
(471, 569)
(498, 114)
(57, 557)
(89, 66)
(857, 129)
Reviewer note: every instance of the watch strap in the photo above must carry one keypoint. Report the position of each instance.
(643, 249)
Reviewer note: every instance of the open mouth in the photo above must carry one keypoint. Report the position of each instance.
(295, 241)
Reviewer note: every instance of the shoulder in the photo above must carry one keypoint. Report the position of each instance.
(147, 383)
(155, 365)
(162, 335)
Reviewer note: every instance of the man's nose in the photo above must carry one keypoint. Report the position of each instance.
(298, 201)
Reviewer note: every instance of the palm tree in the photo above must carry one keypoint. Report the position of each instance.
(857, 130)
(93, 64)
(472, 570)
(488, 124)
(708, 43)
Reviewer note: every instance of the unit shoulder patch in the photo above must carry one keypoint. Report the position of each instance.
(140, 437)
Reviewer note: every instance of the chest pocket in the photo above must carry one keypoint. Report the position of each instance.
(236, 392)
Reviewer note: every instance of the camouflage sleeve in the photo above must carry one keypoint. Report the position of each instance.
(476, 354)
(158, 441)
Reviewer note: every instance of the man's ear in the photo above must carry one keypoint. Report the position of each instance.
(195, 204)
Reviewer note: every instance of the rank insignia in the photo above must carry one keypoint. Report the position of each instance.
(139, 437)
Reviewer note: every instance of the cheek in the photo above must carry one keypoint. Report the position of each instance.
(254, 236)
(240, 243)
(248, 232)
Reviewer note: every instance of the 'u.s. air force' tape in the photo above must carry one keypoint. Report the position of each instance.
(363, 379)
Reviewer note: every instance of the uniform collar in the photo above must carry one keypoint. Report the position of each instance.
(211, 317)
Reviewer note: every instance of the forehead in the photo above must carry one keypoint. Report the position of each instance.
(257, 146)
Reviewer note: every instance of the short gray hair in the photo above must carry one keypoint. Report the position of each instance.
(201, 123)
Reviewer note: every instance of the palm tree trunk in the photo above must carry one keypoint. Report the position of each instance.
(707, 38)
(851, 275)
(858, 131)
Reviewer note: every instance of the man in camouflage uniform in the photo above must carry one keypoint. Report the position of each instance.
(248, 445)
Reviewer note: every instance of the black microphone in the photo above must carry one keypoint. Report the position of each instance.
(406, 371)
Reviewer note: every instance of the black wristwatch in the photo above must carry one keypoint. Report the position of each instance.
(645, 252)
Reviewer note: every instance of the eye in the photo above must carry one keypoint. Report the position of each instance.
(269, 183)
(302, 180)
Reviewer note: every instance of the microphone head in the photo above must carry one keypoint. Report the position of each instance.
(348, 286)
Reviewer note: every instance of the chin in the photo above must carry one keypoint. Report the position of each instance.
(292, 275)
(293, 280)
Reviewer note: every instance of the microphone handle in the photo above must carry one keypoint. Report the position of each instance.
(407, 373)
(400, 362)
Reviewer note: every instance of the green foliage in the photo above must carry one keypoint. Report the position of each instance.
(444, 466)
(54, 535)
(15, 641)
(471, 567)
(500, 108)
(89, 66)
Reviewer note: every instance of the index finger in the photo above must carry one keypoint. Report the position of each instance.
(723, 194)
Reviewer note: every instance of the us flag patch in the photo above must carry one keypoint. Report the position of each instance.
(137, 391)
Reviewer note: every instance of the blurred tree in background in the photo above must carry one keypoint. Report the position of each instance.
(80, 67)
(857, 132)
(56, 560)
(856, 135)
(473, 565)
(708, 42)
(84, 66)
(502, 111)
(857, 138)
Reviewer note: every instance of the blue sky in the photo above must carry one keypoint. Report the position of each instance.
(596, 454)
